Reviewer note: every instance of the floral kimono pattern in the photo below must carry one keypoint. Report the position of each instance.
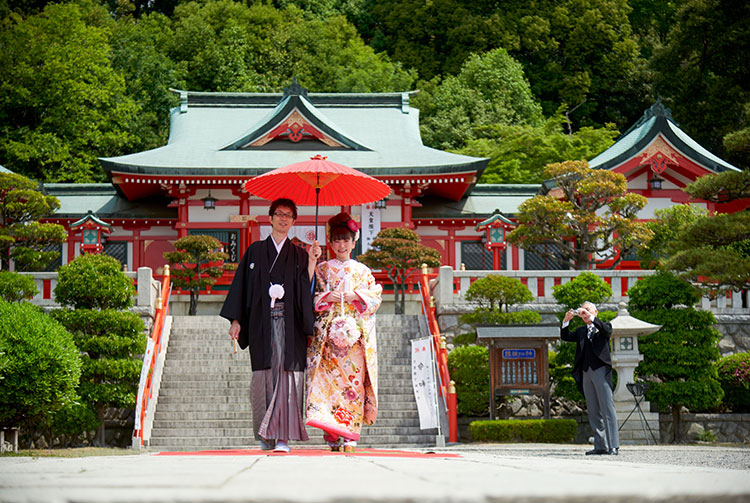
(342, 366)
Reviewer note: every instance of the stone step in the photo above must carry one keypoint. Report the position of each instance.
(211, 415)
(176, 424)
(204, 402)
(202, 406)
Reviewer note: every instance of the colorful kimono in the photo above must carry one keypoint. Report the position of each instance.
(342, 366)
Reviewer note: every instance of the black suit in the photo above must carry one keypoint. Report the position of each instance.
(592, 371)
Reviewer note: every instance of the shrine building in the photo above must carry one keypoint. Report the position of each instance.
(217, 141)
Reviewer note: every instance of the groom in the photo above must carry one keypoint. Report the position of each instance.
(592, 371)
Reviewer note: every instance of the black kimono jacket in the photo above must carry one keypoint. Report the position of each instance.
(599, 348)
(249, 303)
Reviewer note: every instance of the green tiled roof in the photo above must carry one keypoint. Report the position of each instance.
(483, 201)
(206, 123)
(657, 120)
(77, 199)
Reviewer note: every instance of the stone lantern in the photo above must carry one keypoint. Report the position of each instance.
(625, 358)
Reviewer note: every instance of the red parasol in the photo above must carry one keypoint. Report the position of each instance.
(319, 182)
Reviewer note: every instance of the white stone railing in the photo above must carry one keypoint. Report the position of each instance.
(148, 289)
(450, 287)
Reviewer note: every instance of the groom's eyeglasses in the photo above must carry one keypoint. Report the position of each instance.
(281, 214)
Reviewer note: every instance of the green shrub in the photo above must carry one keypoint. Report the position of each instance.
(16, 287)
(495, 292)
(469, 367)
(707, 436)
(587, 286)
(109, 341)
(557, 431)
(734, 377)
(484, 316)
(71, 421)
(94, 282)
(465, 339)
(41, 367)
(679, 358)
(663, 290)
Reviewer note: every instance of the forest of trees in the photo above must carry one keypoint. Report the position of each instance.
(525, 83)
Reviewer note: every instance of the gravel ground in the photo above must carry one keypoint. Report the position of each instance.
(730, 456)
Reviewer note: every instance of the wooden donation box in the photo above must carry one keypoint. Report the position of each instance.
(519, 363)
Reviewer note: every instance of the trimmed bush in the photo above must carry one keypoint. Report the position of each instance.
(550, 431)
(680, 358)
(469, 367)
(94, 282)
(734, 377)
(484, 316)
(16, 287)
(109, 341)
(495, 294)
(39, 367)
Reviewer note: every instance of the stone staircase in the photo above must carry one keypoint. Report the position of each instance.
(204, 402)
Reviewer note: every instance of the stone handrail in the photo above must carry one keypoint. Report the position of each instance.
(147, 288)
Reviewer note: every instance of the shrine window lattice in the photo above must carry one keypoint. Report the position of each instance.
(478, 258)
(536, 259)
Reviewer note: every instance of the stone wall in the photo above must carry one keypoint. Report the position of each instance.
(735, 333)
(730, 428)
(118, 432)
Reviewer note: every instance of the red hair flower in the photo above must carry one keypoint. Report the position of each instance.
(352, 225)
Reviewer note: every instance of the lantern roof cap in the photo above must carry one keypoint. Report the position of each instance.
(497, 219)
(626, 325)
(92, 218)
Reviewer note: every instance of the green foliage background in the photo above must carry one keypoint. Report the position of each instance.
(523, 82)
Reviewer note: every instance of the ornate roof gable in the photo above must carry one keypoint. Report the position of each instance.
(293, 125)
(656, 140)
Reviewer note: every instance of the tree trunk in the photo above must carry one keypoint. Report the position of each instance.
(676, 424)
(99, 439)
(402, 288)
(193, 303)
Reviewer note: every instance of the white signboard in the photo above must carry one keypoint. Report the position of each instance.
(370, 225)
(423, 381)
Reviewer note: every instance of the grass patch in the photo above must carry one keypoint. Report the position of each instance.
(78, 452)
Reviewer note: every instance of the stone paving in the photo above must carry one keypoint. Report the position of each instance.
(517, 473)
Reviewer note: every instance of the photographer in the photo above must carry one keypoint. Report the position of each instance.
(592, 371)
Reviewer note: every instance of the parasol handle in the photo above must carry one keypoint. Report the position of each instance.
(317, 194)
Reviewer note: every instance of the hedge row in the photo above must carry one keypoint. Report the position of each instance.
(551, 431)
